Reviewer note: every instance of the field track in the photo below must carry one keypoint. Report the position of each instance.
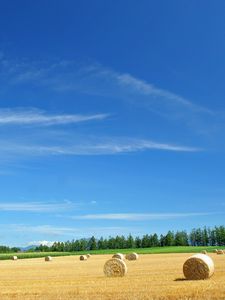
(151, 277)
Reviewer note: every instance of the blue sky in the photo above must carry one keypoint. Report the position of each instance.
(111, 118)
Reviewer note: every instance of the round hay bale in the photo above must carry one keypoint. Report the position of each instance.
(119, 256)
(48, 258)
(198, 266)
(88, 255)
(14, 257)
(220, 251)
(132, 256)
(204, 252)
(115, 267)
(83, 257)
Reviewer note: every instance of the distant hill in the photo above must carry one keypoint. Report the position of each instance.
(28, 247)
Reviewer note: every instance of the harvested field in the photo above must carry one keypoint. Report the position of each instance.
(157, 276)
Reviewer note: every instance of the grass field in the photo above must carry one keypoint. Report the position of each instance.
(155, 250)
(65, 278)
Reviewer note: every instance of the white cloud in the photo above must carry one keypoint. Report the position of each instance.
(63, 76)
(139, 216)
(36, 206)
(142, 87)
(38, 243)
(44, 229)
(93, 79)
(49, 230)
(38, 117)
(103, 147)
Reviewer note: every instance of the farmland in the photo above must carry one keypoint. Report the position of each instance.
(151, 277)
(153, 250)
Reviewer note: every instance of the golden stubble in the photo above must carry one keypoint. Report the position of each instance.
(155, 276)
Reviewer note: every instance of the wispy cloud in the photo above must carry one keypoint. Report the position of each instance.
(161, 95)
(44, 229)
(49, 230)
(140, 216)
(67, 76)
(36, 206)
(37, 117)
(103, 147)
(94, 79)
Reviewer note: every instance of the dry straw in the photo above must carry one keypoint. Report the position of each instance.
(14, 257)
(204, 252)
(83, 257)
(132, 256)
(220, 251)
(88, 255)
(115, 267)
(48, 258)
(198, 266)
(119, 256)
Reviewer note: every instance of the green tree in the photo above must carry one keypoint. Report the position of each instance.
(92, 243)
(169, 239)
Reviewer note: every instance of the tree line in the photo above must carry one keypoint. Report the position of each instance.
(5, 249)
(197, 237)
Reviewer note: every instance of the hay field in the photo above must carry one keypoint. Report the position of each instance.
(156, 276)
